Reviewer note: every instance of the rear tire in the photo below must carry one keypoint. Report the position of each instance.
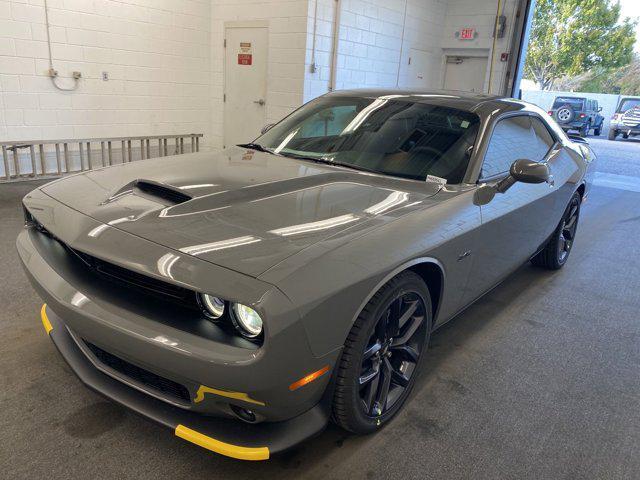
(597, 131)
(378, 366)
(612, 135)
(556, 252)
(584, 131)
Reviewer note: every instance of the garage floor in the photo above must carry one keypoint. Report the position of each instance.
(540, 379)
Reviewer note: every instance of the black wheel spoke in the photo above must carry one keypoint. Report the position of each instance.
(407, 352)
(369, 375)
(409, 331)
(399, 378)
(370, 396)
(383, 390)
(569, 225)
(372, 350)
(408, 313)
(382, 326)
(393, 325)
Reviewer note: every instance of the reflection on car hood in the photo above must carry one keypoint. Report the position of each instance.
(238, 208)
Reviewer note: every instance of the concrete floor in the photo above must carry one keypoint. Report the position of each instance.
(540, 379)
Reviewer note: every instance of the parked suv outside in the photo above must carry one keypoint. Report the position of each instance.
(626, 120)
(578, 113)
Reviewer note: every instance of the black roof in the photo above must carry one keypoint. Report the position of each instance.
(467, 101)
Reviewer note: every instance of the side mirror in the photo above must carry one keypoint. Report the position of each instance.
(266, 128)
(525, 171)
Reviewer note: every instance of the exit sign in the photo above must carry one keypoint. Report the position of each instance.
(467, 33)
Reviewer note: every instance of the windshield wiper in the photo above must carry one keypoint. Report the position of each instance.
(326, 161)
(255, 146)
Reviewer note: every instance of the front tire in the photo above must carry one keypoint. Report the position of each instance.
(597, 131)
(612, 134)
(556, 252)
(382, 355)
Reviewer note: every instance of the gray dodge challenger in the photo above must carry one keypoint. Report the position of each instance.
(245, 298)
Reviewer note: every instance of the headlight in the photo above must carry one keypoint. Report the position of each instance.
(247, 320)
(213, 306)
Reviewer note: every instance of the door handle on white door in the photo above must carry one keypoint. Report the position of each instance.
(259, 102)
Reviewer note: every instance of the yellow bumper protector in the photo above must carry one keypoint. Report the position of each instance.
(45, 320)
(226, 449)
(224, 393)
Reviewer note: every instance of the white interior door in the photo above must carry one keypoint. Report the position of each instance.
(418, 73)
(466, 74)
(245, 80)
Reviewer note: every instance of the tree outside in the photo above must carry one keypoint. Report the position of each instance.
(582, 38)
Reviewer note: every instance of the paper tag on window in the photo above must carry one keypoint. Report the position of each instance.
(440, 180)
(464, 124)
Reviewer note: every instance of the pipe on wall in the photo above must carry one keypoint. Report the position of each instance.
(336, 39)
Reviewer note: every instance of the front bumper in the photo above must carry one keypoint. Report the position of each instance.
(227, 437)
(218, 373)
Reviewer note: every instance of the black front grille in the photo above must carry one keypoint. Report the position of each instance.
(126, 277)
(155, 382)
(130, 278)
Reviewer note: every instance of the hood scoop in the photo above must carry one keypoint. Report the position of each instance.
(168, 194)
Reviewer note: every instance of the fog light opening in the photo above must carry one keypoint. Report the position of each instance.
(244, 414)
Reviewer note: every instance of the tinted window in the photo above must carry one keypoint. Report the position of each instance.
(515, 138)
(385, 135)
(544, 140)
(628, 104)
(574, 102)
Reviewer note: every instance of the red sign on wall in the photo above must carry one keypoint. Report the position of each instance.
(244, 58)
(467, 33)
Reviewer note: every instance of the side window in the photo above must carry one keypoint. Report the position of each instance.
(515, 138)
(507, 144)
(544, 140)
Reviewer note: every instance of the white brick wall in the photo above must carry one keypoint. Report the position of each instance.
(165, 58)
(481, 15)
(286, 56)
(155, 51)
(376, 38)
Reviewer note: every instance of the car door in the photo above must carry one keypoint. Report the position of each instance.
(516, 223)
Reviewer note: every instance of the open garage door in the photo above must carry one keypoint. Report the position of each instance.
(589, 84)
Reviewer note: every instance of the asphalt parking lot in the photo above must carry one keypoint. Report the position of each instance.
(618, 162)
(539, 379)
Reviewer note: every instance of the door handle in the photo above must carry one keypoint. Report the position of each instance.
(260, 102)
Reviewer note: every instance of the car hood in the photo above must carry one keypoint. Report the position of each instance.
(240, 209)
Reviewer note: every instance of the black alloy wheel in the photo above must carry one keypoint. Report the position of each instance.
(568, 229)
(382, 355)
(556, 252)
(391, 355)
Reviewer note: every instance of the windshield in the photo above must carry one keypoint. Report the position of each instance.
(628, 104)
(383, 135)
(576, 103)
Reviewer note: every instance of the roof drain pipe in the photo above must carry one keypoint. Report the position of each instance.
(313, 67)
(404, 25)
(336, 39)
(53, 73)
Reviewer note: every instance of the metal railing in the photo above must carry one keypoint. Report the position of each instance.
(44, 158)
